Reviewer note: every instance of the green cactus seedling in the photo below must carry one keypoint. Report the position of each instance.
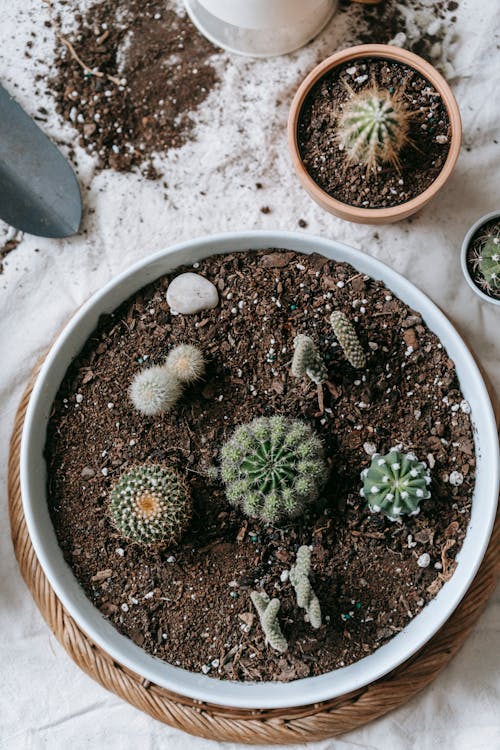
(395, 484)
(268, 609)
(151, 504)
(273, 468)
(373, 127)
(347, 338)
(299, 577)
(307, 360)
(486, 261)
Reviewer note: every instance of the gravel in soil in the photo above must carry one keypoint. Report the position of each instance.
(190, 604)
(155, 71)
(325, 159)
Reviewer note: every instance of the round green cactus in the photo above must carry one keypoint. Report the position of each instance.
(151, 504)
(273, 468)
(486, 261)
(395, 484)
(373, 127)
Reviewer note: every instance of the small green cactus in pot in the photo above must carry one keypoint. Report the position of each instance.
(273, 468)
(151, 504)
(373, 127)
(395, 484)
(486, 261)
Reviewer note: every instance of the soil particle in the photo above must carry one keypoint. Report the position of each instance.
(190, 605)
(421, 160)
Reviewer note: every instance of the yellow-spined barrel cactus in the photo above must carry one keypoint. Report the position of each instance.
(373, 127)
(486, 261)
(395, 484)
(151, 504)
(273, 468)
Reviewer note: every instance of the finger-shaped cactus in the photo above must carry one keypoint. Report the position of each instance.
(307, 360)
(347, 338)
(299, 577)
(268, 609)
(373, 127)
(153, 391)
(395, 484)
(486, 261)
(273, 468)
(151, 504)
(186, 363)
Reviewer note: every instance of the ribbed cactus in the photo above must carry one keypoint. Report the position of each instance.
(157, 389)
(307, 360)
(373, 127)
(299, 577)
(347, 338)
(486, 261)
(395, 484)
(151, 504)
(268, 609)
(273, 468)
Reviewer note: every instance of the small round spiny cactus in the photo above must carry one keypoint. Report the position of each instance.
(273, 468)
(373, 127)
(154, 391)
(151, 504)
(307, 360)
(395, 484)
(347, 338)
(186, 363)
(486, 261)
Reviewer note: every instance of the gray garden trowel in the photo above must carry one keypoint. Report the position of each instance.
(39, 193)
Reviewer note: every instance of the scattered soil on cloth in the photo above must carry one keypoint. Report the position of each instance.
(421, 160)
(156, 72)
(190, 604)
(474, 272)
(9, 239)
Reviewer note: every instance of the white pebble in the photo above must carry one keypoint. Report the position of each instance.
(369, 448)
(285, 574)
(442, 139)
(456, 478)
(424, 560)
(79, 398)
(124, 607)
(119, 551)
(465, 406)
(191, 293)
(171, 559)
(104, 472)
(205, 668)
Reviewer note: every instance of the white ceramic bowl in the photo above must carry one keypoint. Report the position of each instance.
(199, 686)
(463, 256)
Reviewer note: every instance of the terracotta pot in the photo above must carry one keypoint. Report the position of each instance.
(375, 215)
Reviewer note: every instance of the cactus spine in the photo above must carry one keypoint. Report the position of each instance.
(268, 609)
(273, 468)
(299, 577)
(151, 504)
(373, 127)
(395, 484)
(347, 338)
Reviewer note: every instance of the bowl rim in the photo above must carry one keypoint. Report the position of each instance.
(463, 255)
(428, 71)
(268, 695)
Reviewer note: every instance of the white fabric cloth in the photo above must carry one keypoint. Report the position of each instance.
(45, 700)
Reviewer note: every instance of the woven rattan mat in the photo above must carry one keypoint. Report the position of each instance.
(278, 726)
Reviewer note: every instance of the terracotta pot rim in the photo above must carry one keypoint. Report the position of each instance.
(428, 71)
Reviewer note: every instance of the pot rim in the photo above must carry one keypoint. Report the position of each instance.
(428, 71)
(463, 255)
(198, 686)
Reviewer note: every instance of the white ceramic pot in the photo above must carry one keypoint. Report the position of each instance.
(463, 257)
(260, 28)
(199, 686)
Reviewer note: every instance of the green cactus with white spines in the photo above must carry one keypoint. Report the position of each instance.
(346, 336)
(268, 609)
(299, 578)
(395, 484)
(373, 127)
(151, 504)
(307, 360)
(486, 260)
(273, 468)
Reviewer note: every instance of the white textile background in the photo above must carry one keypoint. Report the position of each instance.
(45, 700)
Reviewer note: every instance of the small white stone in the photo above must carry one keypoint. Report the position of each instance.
(465, 406)
(424, 560)
(104, 472)
(205, 668)
(124, 607)
(78, 398)
(190, 293)
(369, 448)
(171, 559)
(215, 663)
(120, 552)
(285, 574)
(441, 139)
(456, 478)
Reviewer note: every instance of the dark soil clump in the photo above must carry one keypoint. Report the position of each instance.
(156, 72)
(190, 604)
(421, 160)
